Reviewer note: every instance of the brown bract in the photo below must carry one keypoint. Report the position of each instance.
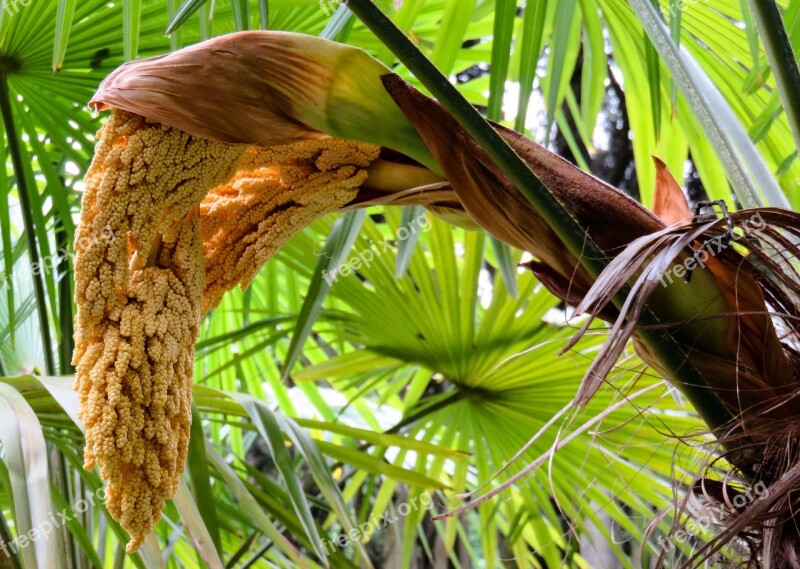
(210, 89)
(611, 218)
(265, 88)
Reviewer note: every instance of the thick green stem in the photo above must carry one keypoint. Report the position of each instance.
(575, 238)
(781, 59)
(27, 219)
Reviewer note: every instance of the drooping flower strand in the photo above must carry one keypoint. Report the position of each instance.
(139, 300)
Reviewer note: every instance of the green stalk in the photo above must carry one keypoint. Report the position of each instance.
(781, 59)
(263, 13)
(659, 341)
(27, 218)
(66, 343)
(505, 11)
(60, 479)
(533, 22)
(502, 35)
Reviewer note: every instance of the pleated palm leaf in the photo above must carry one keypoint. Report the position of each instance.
(473, 368)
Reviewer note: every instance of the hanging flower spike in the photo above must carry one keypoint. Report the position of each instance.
(139, 299)
(212, 158)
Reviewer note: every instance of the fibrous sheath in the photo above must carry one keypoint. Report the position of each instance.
(189, 219)
(139, 298)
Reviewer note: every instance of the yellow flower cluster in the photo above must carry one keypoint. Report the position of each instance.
(277, 192)
(190, 219)
(139, 298)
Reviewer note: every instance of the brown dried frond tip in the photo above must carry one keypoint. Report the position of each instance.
(277, 192)
(139, 284)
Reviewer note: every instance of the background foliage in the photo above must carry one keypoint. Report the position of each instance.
(317, 409)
